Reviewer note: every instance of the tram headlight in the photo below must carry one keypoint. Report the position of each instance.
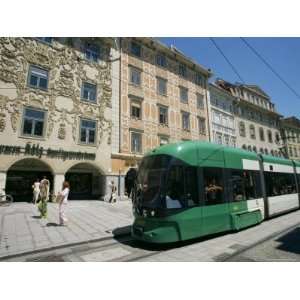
(144, 213)
(152, 213)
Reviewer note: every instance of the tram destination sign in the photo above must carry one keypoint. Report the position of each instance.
(37, 150)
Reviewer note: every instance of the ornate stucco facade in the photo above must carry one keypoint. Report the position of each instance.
(66, 66)
(152, 78)
(290, 134)
(257, 122)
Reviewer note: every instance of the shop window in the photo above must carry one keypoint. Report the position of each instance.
(279, 183)
(214, 186)
(33, 122)
(87, 131)
(89, 92)
(38, 78)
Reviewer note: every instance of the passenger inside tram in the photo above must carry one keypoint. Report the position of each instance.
(213, 192)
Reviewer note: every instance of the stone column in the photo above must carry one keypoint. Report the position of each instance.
(58, 181)
(2, 182)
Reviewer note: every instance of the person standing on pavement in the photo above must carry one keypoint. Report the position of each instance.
(113, 195)
(44, 196)
(36, 191)
(63, 201)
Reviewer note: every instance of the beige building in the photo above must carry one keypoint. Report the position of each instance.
(55, 114)
(257, 122)
(290, 133)
(163, 99)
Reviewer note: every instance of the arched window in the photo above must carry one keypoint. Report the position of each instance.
(249, 148)
(252, 131)
(266, 151)
(242, 129)
(261, 150)
(270, 138)
(244, 147)
(276, 153)
(277, 138)
(272, 152)
(254, 149)
(261, 134)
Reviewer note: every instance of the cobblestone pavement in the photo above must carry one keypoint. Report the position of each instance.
(217, 248)
(21, 229)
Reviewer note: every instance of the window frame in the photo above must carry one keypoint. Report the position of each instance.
(184, 113)
(252, 136)
(44, 123)
(138, 71)
(261, 134)
(201, 119)
(87, 135)
(167, 115)
(242, 125)
(157, 61)
(132, 132)
(158, 81)
(181, 89)
(202, 101)
(182, 70)
(132, 51)
(82, 92)
(88, 47)
(31, 66)
(139, 102)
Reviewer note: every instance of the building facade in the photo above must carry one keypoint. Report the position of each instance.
(257, 122)
(163, 99)
(55, 114)
(222, 121)
(290, 134)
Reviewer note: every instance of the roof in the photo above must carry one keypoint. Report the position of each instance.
(256, 89)
(276, 160)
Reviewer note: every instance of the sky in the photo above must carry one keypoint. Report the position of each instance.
(283, 54)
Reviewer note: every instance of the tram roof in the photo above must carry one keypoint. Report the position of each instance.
(205, 154)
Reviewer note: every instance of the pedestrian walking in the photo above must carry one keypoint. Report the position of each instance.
(113, 195)
(62, 202)
(44, 196)
(36, 191)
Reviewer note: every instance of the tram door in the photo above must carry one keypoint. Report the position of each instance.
(215, 209)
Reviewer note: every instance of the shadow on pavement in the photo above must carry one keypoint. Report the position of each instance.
(52, 224)
(290, 241)
(36, 217)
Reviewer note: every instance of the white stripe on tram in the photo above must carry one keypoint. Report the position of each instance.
(282, 203)
(255, 204)
(298, 170)
(269, 167)
(249, 164)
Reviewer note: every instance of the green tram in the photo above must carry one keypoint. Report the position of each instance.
(192, 189)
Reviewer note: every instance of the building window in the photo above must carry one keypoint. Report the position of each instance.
(33, 122)
(87, 131)
(201, 125)
(38, 78)
(47, 40)
(163, 141)
(136, 109)
(92, 52)
(183, 94)
(226, 140)
(182, 70)
(185, 121)
(88, 92)
(135, 49)
(135, 76)
(254, 149)
(252, 132)
(261, 134)
(161, 86)
(161, 60)
(200, 101)
(277, 137)
(163, 115)
(136, 142)
(242, 129)
(199, 80)
(219, 138)
(270, 138)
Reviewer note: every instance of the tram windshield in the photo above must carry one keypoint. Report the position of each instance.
(151, 179)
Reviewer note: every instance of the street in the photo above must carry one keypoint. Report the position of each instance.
(100, 231)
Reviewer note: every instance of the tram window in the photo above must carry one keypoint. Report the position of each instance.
(279, 183)
(175, 188)
(213, 183)
(191, 187)
(245, 185)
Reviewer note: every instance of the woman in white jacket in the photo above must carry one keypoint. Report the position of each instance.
(63, 201)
